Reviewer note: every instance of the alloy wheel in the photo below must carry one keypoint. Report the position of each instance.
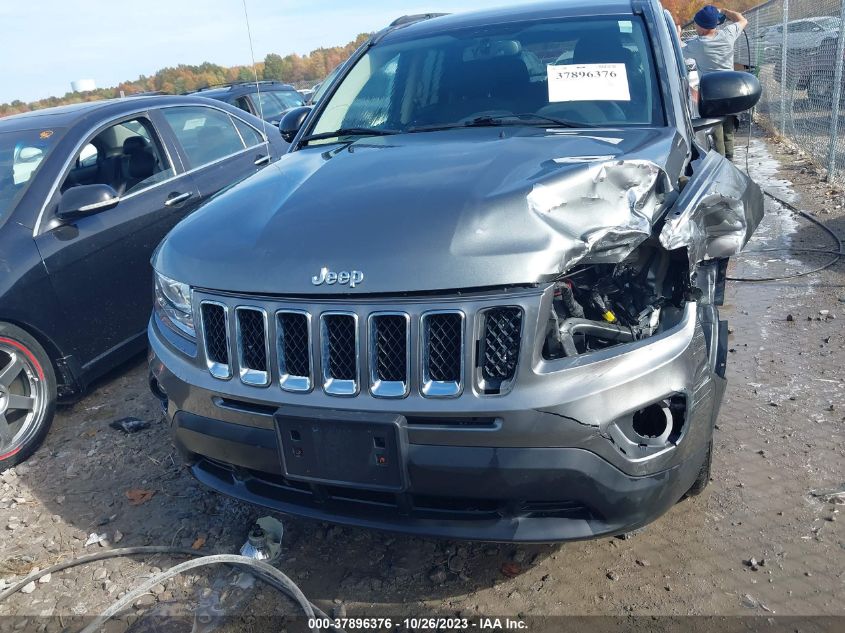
(23, 400)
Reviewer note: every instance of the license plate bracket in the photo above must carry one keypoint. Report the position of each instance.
(343, 448)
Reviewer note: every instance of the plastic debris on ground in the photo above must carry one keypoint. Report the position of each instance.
(129, 425)
(265, 540)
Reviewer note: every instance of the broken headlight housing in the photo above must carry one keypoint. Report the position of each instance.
(173, 305)
(597, 306)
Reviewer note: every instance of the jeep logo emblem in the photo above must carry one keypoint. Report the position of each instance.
(344, 277)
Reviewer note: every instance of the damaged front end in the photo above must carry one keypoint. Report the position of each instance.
(639, 280)
(600, 305)
(633, 246)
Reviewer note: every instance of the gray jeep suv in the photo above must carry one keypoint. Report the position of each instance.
(478, 298)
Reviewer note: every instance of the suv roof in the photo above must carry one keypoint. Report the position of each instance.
(241, 87)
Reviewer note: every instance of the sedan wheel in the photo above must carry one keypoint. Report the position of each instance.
(27, 395)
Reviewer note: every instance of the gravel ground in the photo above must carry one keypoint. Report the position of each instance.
(757, 542)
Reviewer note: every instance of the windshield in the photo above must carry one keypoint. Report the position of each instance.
(324, 85)
(22, 153)
(274, 102)
(592, 71)
(829, 23)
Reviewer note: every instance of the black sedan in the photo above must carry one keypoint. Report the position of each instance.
(86, 193)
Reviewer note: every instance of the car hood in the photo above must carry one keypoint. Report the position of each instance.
(466, 208)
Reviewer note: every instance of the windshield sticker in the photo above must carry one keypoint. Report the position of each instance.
(588, 82)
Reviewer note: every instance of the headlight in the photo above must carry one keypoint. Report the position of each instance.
(173, 305)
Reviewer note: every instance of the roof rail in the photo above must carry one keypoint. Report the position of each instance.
(234, 84)
(417, 17)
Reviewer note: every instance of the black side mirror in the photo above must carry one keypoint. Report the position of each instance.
(86, 200)
(727, 92)
(292, 121)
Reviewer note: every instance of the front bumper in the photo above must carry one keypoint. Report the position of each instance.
(542, 466)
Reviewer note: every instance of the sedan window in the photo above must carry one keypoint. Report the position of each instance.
(127, 156)
(206, 134)
(88, 156)
(249, 134)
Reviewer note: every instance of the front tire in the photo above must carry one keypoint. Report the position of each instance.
(27, 395)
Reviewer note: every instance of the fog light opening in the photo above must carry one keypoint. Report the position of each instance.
(158, 391)
(653, 424)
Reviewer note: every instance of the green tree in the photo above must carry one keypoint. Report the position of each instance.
(274, 67)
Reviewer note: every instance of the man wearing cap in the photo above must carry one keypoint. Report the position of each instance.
(713, 50)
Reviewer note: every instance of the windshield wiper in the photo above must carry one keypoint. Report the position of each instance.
(349, 131)
(501, 120)
(549, 119)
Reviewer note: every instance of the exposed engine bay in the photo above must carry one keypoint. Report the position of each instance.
(599, 305)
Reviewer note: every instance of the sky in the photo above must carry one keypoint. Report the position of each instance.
(46, 44)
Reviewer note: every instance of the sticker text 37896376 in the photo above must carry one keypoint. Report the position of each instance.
(588, 82)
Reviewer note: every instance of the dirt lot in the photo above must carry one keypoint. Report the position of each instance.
(781, 435)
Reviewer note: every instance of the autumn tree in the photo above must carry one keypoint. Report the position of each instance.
(293, 68)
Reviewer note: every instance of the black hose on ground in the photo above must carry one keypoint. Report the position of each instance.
(837, 255)
(265, 572)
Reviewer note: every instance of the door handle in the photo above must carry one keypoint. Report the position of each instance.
(176, 198)
(262, 160)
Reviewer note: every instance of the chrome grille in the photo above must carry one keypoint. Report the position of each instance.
(443, 353)
(215, 325)
(389, 354)
(293, 331)
(499, 347)
(267, 341)
(253, 350)
(339, 345)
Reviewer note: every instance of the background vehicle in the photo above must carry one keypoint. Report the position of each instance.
(489, 289)
(807, 41)
(821, 73)
(270, 98)
(86, 193)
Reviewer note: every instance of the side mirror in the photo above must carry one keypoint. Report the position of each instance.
(86, 200)
(727, 92)
(292, 122)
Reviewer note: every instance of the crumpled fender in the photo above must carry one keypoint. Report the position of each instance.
(602, 212)
(716, 213)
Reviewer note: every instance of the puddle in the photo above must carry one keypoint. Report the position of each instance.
(779, 224)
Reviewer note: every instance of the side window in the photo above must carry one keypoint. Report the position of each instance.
(206, 134)
(243, 104)
(248, 133)
(800, 27)
(289, 98)
(88, 156)
(127, 156)
(27, 159)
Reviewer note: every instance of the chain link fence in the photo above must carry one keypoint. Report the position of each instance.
(795, 47)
